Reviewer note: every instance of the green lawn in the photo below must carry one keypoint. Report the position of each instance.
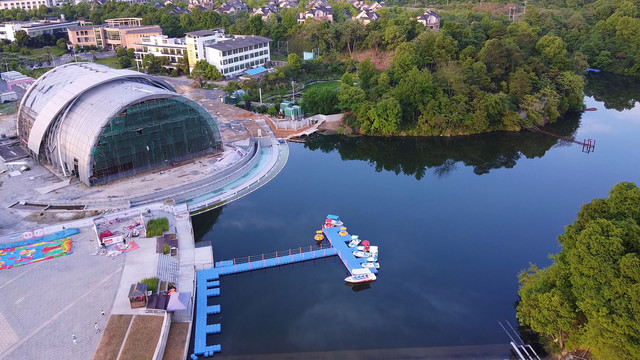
(328, 84)
(111, 62)
(35, 73)
(55, 51)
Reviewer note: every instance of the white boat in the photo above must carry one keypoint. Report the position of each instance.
(360, 276)
(354, 242)
(373, 265)
(361, 254)
(372, 259)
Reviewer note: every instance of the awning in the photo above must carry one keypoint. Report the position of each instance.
(178, 301)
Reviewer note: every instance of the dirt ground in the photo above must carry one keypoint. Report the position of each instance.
(144, 333)
(112, 337)
(176, 341)
(380, 59)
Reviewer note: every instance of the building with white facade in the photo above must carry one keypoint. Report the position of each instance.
(27, 4)
(233, 56)
(34, 28)
(173, 49)
(197, 40)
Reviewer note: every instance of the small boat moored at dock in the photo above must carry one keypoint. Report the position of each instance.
(373, 265)
(360, 276)
(318, 236)
(361, 254)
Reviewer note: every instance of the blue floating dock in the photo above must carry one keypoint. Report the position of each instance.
(281, 260)
(339, 242)
(208, 283)
(204, 280)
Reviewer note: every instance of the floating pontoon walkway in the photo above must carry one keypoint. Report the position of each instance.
(339, 242)
(207, 286)
(208, 280)
(230, 267)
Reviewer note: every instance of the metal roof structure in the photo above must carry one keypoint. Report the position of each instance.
(57, 88)
(94, 122)
(239, 43)
(199, 33)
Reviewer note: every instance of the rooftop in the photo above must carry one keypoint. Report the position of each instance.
(83, 27)
(205, 32)
(238, 43)
(144, 29)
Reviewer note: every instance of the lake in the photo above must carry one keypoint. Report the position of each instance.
(455, 219)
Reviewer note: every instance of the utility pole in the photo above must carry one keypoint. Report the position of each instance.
(260, 94)
(294, 91)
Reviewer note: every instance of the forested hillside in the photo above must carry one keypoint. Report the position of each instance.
(481, 72)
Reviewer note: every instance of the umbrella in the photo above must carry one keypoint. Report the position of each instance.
(178, 301)
(365, 243)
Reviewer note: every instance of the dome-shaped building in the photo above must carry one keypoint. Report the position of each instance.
(100, 124)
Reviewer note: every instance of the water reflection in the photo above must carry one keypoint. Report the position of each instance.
(616, 91)
(204, 222)
(413, 156)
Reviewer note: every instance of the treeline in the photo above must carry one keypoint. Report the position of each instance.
(589, 298)
(481, 72)
(416, 156)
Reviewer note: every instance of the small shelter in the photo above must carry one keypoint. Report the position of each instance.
(138, 295)
(179, 301)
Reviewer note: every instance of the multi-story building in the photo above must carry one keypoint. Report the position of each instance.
(27, 4)
(161, 46)
(367, 16)
(34, 28)
(430, 19)
(197, 40)
(233, 56)
(116, 32)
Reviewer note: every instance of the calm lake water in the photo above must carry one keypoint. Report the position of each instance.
(455, 221)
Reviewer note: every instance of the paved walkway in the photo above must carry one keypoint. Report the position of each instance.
(45, 303)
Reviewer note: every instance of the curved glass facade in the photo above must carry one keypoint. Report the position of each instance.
(152, 133)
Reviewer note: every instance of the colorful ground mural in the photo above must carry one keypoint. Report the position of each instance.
(22, 253)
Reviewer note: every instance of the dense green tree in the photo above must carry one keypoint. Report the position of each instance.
(350, 98)
(294, 65)
(320, 100)
(22, 39)
(124, 62)
(385, 116)
(590, 296)
(62, 44)
(151, 64)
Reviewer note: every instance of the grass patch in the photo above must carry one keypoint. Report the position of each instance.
(143, 337)
(55, 51)
(152, 284)
(34, 73)
(279, 57)
(9, 108)
(333, 85)
(176, 341)
(110, 62)
(112, 337)
(155, 227)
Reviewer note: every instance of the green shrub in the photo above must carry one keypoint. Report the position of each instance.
(152, 284)
(155, 227)
(165, 249)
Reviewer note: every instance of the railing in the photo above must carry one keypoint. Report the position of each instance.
(277, 254)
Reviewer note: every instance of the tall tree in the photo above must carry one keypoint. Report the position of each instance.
(590, 296)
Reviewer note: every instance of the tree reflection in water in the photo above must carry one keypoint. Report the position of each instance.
(415, 155)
